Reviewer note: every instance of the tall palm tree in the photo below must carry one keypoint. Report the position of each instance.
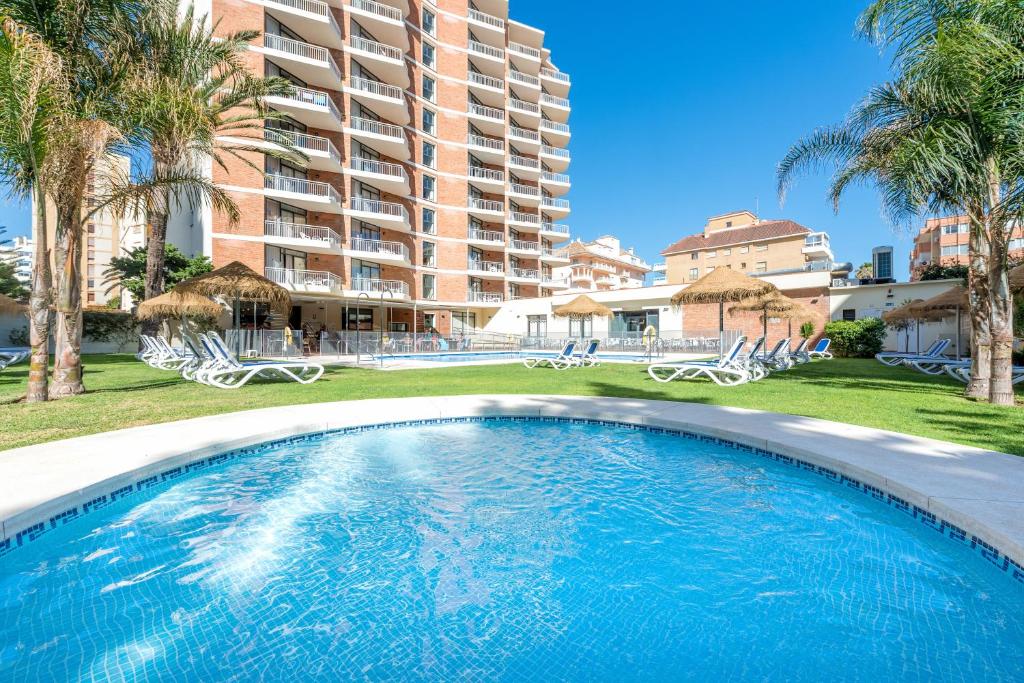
(197, 99)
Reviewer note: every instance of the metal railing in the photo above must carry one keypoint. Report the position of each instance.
(486, 174)
(485, 266)
(557, 228)
(487, 236)
(376, 127)
(524, 106)
(273, 41)
(524, 50)
(265, 343)
(549, 281)
(477, 15)
(554, 202)
(486, 112)
(484, 297)
(375, 48)
(378, 167)
(524, 245)
(303, 141)
(380, 247)
(375, 286)
(378, 345)
(301, 231)
(549, 177)
(526, 273)
(554, 126)
(487, 50)
(489, 143)
(485, 80)
(527, 190)
(377, 8)
(555, 151)
(525, 79)
(485, 204)
(378, 206)
(375, 87)
(555, 253)
(554, 101)
(288, 277)
(524, 133)
(317, 98)
(520, 217)
(283, 183)
(555, 75)
(525, 162)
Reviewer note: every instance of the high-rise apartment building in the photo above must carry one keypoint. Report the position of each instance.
(602, 265)
(944, 241)
(881, 264)
(18, 252)
(436, 134)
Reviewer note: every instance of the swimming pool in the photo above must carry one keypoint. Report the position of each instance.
(468, 356)
(504, 549)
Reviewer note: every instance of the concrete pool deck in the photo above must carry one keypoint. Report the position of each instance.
(979, 491)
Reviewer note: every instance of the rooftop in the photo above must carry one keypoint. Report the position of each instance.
(765, 230)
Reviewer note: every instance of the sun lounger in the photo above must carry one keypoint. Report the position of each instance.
(961, 370)
(893, 359)
(562, 361)
(589, 356)
(726, 371)
(800, 355)
(230, 373)
(778, 357)
(821, 349)
(752, 360)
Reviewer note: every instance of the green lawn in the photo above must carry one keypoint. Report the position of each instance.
(124, 392)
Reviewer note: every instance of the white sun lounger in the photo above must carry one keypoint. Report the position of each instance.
(778, 357)
(12, 355)
(562, 361)
(961, 370)
(589, 356)
(893, 359)
(230, 373)
(821, 349)
(800, 355)
(727, 371)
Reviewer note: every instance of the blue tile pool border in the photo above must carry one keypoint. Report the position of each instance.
(993, 555)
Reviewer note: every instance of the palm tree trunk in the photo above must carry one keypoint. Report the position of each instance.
(1001, 386)
(155, 253)
(67, 360)
(978, 292)
(39, 305)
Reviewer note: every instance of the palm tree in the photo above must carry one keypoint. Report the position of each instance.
(197, 99)
(31, 103)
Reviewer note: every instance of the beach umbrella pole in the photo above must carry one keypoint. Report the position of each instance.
(238, 327)
(721, 328)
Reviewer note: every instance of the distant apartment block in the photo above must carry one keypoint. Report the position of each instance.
(746, 243)
(945, 241)
(601, 265)
(437, 138)
(18, 252)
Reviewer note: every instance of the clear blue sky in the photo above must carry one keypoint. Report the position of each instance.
(682, 110)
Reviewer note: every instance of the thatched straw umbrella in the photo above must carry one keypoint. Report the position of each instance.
(582, 308)
(953, 299)
(776, 305)
(9, 306)
(237, 282)
(908, 312)
(175, 304)
(720, 286)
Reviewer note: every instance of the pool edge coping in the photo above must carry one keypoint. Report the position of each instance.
(980, 491)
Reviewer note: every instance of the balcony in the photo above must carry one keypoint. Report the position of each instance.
(384, 60)
(555, 82)
(554, 231)
(305, 194)
(556, 133)
(383, 21)
(310, 107)
(558, 208)
(525, 139)
(817, 247)
(487, 89)
(488, 150)
(385, 214)
(524, 247)
(480, 268)
(379, 251)
(386, 138)
(554, 283)
(311, 19)
(311, 238)
(488, 27)
(554, 255)
(305, 281)
(525, 195)
(528, 274)
(321, 152)
(490, 120)
(312, 63)
(489, 237)
(525, 167)
(489, 59)
(524, 79)
(607, 281)
(555, 183)
(555, 157)
(488, 208)
(554, 107)
(390, 178)
(388, 289)
(524, 221)
(488, 177)
(528, 112)
(524, 57)
(659, 280)
(387, 100)
(484, 297)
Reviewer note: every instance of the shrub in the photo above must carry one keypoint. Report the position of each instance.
(807, 330)
(106, 325)
(18, 336)
(856, 338)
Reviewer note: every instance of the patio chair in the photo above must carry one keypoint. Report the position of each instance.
(727, 371)
(961, 370)
(230, 373)
(563, 360)
(12, 355)
(589, 356)
(892, 359)
(778, 358)
(201, 360)
(752, 361)
(820, 350)
(800, 355)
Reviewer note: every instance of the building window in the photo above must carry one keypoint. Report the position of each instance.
(429, 22)
(429, 290)
(463, 323)
(428, 226)
(762, 247)
(761, 267)
(429, 255)
(712, 254)
(428, 54)
(536, 326)
(581, 327)
(428, 154)
(694, 272)
(726, 252)
(694, 256)
(430, 322)
(428, 88)
(744, 250)
(728, 224)
(955, 250)
(429, 122)
(429, 187)
(849, 314)
(709, 269)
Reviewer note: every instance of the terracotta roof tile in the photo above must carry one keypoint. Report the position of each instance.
(752, 233)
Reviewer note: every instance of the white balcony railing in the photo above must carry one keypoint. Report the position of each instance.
(525, 79)
(528, 273)
(489, 143)
(524, 134)
(315, 98)
(555, 177)
(485, 80)
(555, 151)
(554, 202)
(376, 87)
(375, 48)
(486, 112)
(545, 98)
(549, 281)
(302, 141)
(272, 41)
(486, 174)
(486, 50)
(314, 188)
(525, 162)
(527, 190)
(477, 15)
(301, 231)
(524, 50)
(555, 228)
(554, 75)
(386, 11)
(555, 253)
(320, 279)
(316, 7)
(484, 297)
(377, 206)
(376, 127)
(380, 247)
(375, 286)
(523, 245)
(485, 266)
(524, 106)
(554, 126)
(487, 236)
(520, 217)
(379, 167)
(485, 204)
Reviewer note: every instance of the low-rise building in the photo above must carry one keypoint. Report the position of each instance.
(601, 265)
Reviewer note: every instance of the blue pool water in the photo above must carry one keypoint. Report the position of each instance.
(496, 550)
(500, 355)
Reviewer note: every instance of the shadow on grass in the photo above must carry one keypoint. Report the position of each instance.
(999, 435)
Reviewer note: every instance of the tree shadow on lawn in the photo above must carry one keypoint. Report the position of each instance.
(992, 429)
(642, 392)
